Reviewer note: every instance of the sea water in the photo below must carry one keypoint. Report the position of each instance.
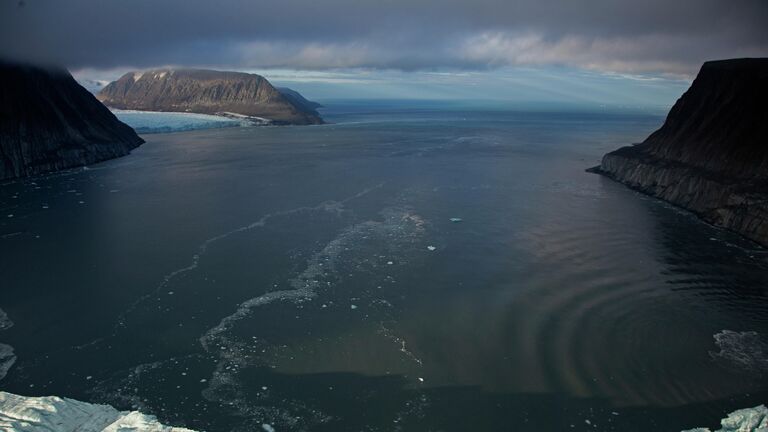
(402, 268)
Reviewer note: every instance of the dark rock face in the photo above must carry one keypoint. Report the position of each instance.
(206, 92)
(49, 122)
(711, 154)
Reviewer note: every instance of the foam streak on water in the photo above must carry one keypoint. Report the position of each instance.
(202, 249)
(321, 271)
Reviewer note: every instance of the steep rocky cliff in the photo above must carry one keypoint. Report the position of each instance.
(49, 122)
(711, 154)
(297, 99)
(206, 92)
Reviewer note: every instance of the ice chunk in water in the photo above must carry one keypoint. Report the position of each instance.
(743, 420)
(7, 359)
(746, 350)
(5, 322)
(456, 220)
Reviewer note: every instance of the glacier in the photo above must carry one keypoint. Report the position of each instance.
(149, 122)
(52, 413)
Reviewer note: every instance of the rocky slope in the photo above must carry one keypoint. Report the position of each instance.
(206, 92)
(49, 122)
(297, 99)
(711, 154)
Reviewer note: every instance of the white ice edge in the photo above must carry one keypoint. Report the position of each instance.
(743, 420)
(177, 113)
(52, 413)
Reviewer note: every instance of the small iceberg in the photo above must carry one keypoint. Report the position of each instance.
(52, 413)
(743, 420)
(455, 219)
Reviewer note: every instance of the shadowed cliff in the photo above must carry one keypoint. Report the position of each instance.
(207, 92)
(49, 122)
(711, 154)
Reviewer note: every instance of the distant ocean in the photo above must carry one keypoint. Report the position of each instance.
(406, 267)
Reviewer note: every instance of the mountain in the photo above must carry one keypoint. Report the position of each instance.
(297, 99)
(49, 122)
(711, 154)
(206, 92)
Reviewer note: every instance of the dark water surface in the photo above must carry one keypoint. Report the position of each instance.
(311, 278)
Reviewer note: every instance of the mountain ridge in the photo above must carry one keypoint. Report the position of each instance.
(206, 91)
(49, 122)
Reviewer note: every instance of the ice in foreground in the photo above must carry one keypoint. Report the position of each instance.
(743, 420)
(51, 413)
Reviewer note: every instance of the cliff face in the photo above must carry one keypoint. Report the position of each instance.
(206, 92)
(297, 99)
(711, 154)
(49, 122)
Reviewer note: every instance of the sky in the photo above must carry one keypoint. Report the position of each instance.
(572, 51)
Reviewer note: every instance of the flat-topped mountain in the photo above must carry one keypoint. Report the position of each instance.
(208, 92)
(711, 154)
(49, 122)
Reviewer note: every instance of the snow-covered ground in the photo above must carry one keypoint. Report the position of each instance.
(55, 414)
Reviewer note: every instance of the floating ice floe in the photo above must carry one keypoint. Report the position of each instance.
(746, 351)
(455, 219)
(743, 420)
(7, 356)
(5, 322)
(52, 413)
(431, 248)
(7, 359)
(267, 427)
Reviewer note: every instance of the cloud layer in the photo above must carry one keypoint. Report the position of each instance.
(652, 36)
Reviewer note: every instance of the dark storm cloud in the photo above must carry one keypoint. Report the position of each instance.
(643, 36)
